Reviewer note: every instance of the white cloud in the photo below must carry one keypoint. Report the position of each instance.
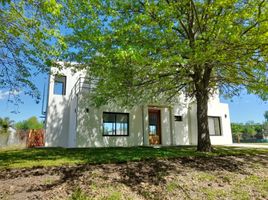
(3, 94)
(6, 94)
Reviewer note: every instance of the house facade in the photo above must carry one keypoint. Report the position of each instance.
(71, 120)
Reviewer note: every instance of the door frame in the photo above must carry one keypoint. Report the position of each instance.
(159, 129)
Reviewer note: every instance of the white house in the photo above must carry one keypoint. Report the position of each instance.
(71, 121)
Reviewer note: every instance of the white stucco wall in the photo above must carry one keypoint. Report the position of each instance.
(58, 110)
(215, 109)
(90, 129)
(221, 110)
(70, 125)
(72, 121)
(181, 132)
(165, 126)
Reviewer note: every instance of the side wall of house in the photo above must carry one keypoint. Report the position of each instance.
(58, 111)
(215, 109)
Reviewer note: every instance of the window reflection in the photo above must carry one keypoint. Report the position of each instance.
(115, 124)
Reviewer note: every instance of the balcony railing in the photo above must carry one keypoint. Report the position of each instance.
(82, 84)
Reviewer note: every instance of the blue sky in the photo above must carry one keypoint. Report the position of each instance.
(29, 107)
(242, 109)
(246, 107)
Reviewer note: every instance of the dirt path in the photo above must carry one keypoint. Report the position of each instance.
(184, 178)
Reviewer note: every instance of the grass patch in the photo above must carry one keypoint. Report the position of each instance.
(259, 184)
(244, 187)
(23, 158)
(114, 196)
(78, 194)
(263, 143)
(172, 186)
(204, 176)
(213, 193)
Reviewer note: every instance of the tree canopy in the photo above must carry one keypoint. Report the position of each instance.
(28, 30)
(140, 50)
(144, 43)
(31, 123)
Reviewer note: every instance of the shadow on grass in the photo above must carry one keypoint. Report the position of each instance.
(59, 156)
(24, 158)
(152, 173)
(155, 163)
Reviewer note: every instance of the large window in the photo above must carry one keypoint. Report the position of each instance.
(60, 85)
(214, 126)
(115, 124)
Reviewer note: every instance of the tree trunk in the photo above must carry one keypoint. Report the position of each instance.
(202, 122)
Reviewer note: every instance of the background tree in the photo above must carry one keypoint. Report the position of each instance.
(143, 50)
(265, 124)
(6, 123)
(237, 131)
(265, 129)
(249, 130)
(27, 34)
(31, 123)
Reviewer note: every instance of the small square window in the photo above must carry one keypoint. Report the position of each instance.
(60, 85)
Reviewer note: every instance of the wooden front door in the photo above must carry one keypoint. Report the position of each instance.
(154, 127)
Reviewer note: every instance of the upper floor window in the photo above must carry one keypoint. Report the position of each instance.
(115, 124)
(214, 126)
(60, 85)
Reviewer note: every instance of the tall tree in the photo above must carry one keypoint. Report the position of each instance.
(27, 32)
(237, 131)
(143, 50)
(249, 130)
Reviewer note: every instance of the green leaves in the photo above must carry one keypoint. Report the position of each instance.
(31, 123)
(51, 7)
(5, 123)
(28, 30)
(166, 44)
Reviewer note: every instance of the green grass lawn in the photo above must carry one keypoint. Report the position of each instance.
(263, 143)
(20, 158)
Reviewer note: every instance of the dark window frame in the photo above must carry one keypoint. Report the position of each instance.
(64, 84)
(159, 122)
(115, 113)
(220, 127)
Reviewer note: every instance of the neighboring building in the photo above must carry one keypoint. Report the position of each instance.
(71, 121)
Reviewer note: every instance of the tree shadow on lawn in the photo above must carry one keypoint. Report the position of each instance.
(59, 156)
(146, 169)
(149, 172)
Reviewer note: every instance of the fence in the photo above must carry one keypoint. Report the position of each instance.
(35, 138)
(253, 140)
